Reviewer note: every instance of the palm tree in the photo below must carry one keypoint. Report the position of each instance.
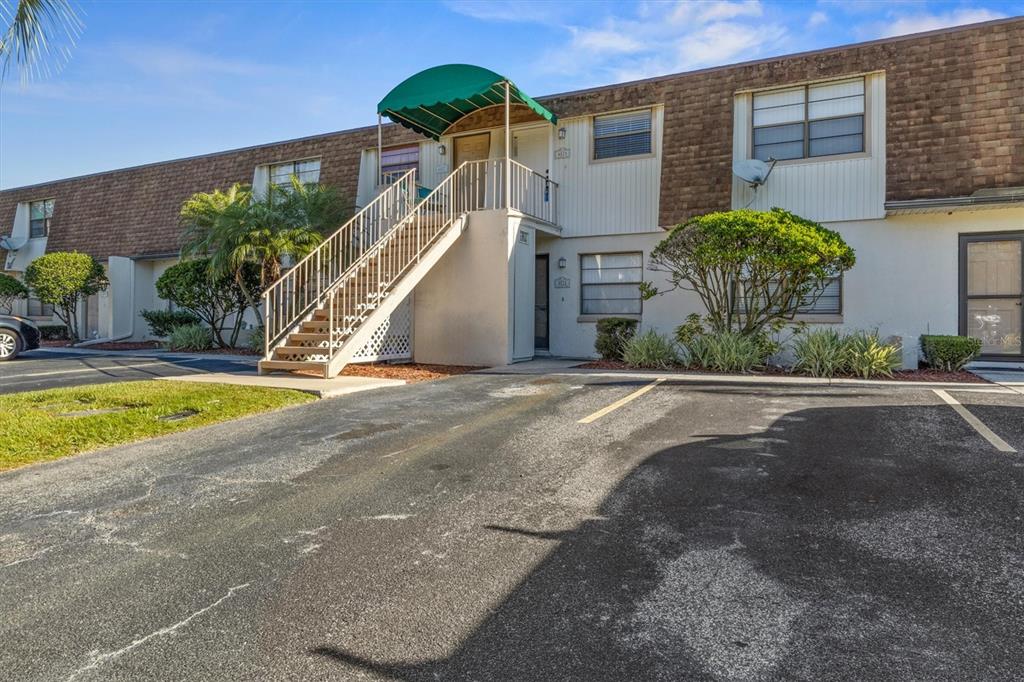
(39, 33)
(233, 228)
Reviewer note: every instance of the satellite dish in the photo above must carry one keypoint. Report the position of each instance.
(9, 243)
(753, 171)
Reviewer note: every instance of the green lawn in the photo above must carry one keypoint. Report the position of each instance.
(41, 425)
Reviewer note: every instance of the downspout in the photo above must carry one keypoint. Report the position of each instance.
(131, 328)
(380, 150)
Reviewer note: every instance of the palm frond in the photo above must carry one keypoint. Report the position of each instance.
(38, 37)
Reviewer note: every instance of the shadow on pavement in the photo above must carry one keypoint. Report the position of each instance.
(855, 543)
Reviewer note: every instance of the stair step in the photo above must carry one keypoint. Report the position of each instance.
(282, 352)
(309, 336)
(292, 365)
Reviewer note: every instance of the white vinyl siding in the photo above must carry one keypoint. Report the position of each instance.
(307, 171)
(610, 283)
(625, 134)
(825, 188)
(825, 119)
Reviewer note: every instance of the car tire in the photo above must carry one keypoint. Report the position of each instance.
(10, 345)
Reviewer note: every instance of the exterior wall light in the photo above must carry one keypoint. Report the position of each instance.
(561, 263)
(441, 151)
(561, 133)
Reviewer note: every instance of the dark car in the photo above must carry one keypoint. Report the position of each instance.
(16, 335)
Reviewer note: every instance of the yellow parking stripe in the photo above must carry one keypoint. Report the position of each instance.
(619, 403)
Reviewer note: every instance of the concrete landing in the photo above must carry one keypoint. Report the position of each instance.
(323, 388)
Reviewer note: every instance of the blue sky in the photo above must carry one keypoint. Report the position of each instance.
(154, 80)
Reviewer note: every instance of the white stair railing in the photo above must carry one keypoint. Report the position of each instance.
(301, 290)
(470, 187)
(534, 194)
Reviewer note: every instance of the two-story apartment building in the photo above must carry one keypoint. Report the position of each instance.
(911, 147)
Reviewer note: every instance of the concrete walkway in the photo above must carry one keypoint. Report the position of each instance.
(323, 388)
(1008, 375)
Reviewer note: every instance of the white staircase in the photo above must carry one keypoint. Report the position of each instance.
(320, 313)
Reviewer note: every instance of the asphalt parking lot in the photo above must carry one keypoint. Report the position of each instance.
(41, 369)
(515, 527)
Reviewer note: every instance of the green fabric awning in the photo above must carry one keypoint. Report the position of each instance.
(433, 100)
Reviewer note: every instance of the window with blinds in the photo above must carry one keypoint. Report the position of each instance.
(809, 121)
(626, 134)
(397, 160)
(610, 283)
(825, 300)
(307, 171)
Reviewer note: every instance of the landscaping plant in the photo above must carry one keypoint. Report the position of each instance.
(613, 333)
(190, 337)
(11, 290)
(949, 353)
(53, 332)
(751, 269)
(163, 322)
(236, 228)
(193, 287)
(726, 352)
(821, 353)
(650, 350)
(868, 357)
(64, 280)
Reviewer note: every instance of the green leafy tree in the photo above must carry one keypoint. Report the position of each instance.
(192, 286)
(37, 35)
(11, 290)
(233, 228)
(753, 270)
(64, 280)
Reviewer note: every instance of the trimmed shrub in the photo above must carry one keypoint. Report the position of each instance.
(64, 280)
(726, 352)
(163, 322)
(53, 332)
(191, 337)
(11, 290)
(650, 350)
(868, 357)
(821, 353)
(613, 333)
(190, 285)
(949, 353)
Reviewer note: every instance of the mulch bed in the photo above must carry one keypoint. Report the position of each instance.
(411, 373)
(125, 345)
(962, 377)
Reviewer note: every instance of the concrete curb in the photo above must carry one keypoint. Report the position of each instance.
(321, 388)
(693, 377)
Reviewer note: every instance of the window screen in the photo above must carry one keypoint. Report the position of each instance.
(610, 283)
(815, 120)
(37, 308)
(829, 302)
(627, 134)
(40, 214)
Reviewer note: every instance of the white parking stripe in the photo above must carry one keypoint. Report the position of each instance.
(978, 425)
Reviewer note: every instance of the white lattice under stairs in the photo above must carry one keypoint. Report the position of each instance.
(330, 308)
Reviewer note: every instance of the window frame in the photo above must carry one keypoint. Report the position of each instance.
(385, 150)
(630, 157)
(47, 219)
(806, 121)
(593, 317)
(821, 315)
(292, 163)
(42, 309)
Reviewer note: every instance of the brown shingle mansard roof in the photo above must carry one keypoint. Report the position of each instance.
(955, 124)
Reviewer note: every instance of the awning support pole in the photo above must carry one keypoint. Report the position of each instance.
(508, 152)
(380, 161)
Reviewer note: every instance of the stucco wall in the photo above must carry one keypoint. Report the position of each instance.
(461, 308)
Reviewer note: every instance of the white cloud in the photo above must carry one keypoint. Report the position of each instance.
(517, 11)
(916, 23)
(817, 19)
(175, 62)
(661, 38)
